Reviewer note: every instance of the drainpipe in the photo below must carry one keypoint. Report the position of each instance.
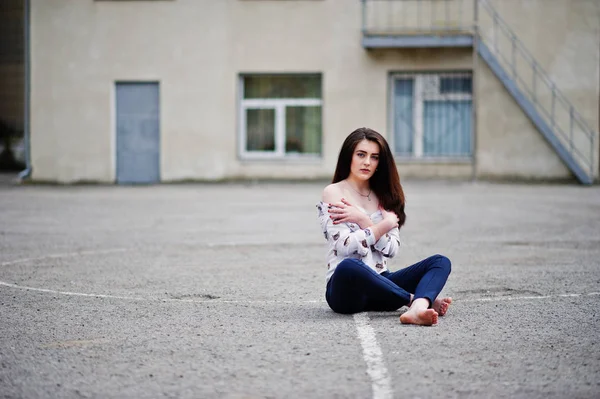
(26, 174)
(474, 84)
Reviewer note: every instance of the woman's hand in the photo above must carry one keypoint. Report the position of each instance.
(345, 212)
(391, 217)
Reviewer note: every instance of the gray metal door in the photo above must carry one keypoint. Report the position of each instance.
(138, 134)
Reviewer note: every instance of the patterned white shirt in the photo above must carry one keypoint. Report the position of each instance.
(348, 240)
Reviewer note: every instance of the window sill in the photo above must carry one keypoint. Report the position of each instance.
(291, 158)
(433, 160)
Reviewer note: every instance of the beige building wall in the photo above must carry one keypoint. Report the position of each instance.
(196, 49)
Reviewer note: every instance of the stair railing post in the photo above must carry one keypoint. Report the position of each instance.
(513, 57)
(592, 137)
(474, 86)
(553, 105)
(533, 85)
(418, 15)
(364, 16)
(447, 24)
(495, 32)
(571, 128)
(390, 21)
(460, 14)
(433, 8)
(403, 12)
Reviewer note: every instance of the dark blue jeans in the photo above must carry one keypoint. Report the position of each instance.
(355, 287)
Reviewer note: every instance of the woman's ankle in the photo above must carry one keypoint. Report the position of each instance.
(419, 304)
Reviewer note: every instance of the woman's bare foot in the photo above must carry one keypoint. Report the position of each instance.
(422, 317)
(441, 305)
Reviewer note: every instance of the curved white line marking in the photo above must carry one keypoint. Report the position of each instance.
(63, 255)
(128, 298)
(131, 298)
(526, 298)
(380, 380)
(151, 299)
(157, 299)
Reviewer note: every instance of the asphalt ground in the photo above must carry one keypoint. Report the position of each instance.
(217, 291)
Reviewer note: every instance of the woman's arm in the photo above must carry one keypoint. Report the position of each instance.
(389, 243)
(344, 241)
(344, 212)
(388, 223)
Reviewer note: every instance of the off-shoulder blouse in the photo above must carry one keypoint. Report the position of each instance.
(348, 240)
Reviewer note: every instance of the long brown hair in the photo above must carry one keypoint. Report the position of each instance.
(385, 182)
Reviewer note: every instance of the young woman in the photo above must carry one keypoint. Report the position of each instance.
(360, 214)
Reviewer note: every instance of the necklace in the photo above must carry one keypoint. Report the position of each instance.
(359, 193)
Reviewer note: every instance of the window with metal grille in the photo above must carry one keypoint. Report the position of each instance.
(280, 116)
(431, 115)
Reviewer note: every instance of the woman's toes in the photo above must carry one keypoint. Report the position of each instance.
(443, 305)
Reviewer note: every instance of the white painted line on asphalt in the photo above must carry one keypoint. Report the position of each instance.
(64, 255)
(265, 301)
(380, 380)
(23, 287)
(216, 300)
(150, 299)
(526, 298)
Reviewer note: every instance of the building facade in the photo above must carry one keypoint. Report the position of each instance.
(142, 91)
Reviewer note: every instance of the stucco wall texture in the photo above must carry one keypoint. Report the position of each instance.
(197, 50)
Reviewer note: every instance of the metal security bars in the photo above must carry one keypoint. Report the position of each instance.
(432, 115)
(571, 131)
(393, 17)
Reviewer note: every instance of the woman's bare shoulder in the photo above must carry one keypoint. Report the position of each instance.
(332, 193)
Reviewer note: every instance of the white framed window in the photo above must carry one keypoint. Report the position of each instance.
(431, 115)
(280, 116)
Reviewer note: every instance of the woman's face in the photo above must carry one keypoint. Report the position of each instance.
(364, 160)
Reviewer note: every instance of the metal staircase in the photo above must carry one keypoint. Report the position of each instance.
(462, 23)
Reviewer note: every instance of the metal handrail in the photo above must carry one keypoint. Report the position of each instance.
(530, 88)
(533, 81)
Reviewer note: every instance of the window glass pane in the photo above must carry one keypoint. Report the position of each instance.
(291, 86)
(403, 116)
(260, 130)
(456, 85)
(447, 128)
(303, 130)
